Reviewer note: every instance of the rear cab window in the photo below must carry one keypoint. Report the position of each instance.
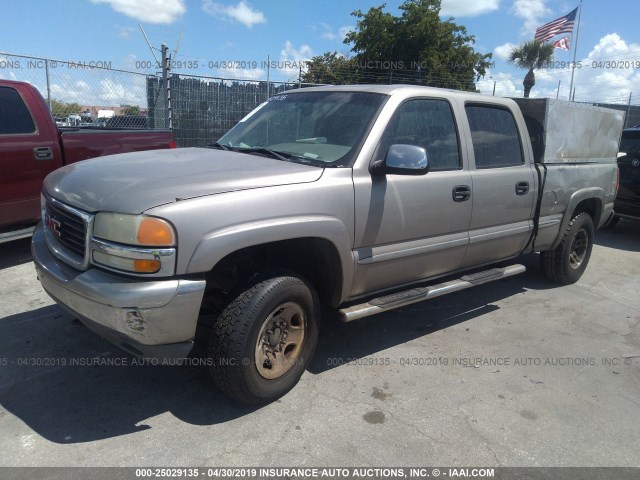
(15, 118)
(495, 137)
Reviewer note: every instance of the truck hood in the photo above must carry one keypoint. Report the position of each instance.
(135, 182)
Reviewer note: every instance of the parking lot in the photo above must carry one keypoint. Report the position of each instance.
(515, 373)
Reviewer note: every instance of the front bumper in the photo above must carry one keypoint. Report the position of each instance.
(150, 319)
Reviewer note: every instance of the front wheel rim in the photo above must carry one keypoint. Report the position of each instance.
(579, 248)
(280, 340)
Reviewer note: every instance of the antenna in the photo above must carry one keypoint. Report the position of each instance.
(175, 52)
(150, 47)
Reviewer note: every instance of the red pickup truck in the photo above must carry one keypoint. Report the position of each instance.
(32, 146)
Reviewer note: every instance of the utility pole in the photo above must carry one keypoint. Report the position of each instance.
(166, 66)
(575, 50)
(46, 69)
(268, 77)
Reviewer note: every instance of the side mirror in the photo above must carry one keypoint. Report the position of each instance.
(402, 160)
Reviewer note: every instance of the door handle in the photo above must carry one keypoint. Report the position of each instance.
(461, 193)
(43, 153)
(522, 188)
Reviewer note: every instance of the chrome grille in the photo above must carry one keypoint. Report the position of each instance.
(66, 231)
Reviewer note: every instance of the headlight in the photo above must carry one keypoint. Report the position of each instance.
(134, 229)
(133, 243)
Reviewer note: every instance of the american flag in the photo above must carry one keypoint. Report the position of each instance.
(564, 43)
(558, 26)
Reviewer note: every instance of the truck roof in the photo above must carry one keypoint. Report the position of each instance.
(382, 89)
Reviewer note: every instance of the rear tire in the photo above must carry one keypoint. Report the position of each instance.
(264, 339)
(567, 262)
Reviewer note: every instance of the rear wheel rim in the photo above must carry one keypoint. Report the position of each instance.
(579, 248)
(280, 340)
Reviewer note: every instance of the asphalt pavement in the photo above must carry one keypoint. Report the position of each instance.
(520, 372)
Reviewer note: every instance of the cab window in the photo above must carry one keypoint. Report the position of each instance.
(495, 138)
(428, 124)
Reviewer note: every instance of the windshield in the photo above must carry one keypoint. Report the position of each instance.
(323, 128)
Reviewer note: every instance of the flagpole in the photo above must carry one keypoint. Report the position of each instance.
(575, 50)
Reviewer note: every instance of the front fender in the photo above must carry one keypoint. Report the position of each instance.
(217, 244)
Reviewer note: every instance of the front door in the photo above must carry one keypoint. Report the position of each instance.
(413, 227)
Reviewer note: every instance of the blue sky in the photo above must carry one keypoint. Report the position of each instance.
(213, 31)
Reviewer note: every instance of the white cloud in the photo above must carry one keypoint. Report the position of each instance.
(465, 8)
(330, 34)
(503, 51)
(116, 93)
(97, 89)
(505, 85)
(598, 80)
(242, 12)
(289, 52)
(343, 31)
(124, 32)
(243, 73)
(532, 12)
(150, 11)
(292, 59)
(595, 80)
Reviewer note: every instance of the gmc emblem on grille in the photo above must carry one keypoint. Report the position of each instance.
(52, 224)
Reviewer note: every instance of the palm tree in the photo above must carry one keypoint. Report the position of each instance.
(531, 56)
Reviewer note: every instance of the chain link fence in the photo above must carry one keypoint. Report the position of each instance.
(199, 109)
(84, 93)
(205, 108)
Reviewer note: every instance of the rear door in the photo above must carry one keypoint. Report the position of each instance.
(28, 152)
(503, 185)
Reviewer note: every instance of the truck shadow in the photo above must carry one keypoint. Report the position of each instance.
(83, 402)
(341, 342)
(624, 236)
(74, 403)
(15, 253)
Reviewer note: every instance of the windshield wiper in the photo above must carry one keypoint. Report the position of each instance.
(219, 146)
(278, 155)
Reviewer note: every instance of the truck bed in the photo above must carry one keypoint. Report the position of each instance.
(90, 142)
(570, 132)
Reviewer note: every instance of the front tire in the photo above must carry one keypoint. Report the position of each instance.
(264, 339)
(567, 262)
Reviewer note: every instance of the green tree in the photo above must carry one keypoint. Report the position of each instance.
(415, 47)
(63, 109)
(531, 56)
(130, 109)
(332, 68)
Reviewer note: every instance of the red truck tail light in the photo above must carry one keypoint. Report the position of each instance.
(173, 144)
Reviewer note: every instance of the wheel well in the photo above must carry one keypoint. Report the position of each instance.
(315, 259)
(590, 206)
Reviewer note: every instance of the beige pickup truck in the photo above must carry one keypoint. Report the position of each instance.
(360, 199)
